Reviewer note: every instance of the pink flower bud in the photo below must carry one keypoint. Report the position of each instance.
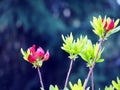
(46, 56)
(110, 26)
(31, 58)
(32, 49)
(39, 53)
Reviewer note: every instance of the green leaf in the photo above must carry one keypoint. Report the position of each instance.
(53, 88)
(63, 38)
(73, 47)
(25, 54)
(41, 89)
(97, 24)
(89, 52)
(83, 56)
(77, 86)
(115, 30)
(38, 63)
(79, 82)
(66, 88)
(100, 60)
(88, 88)
(70, 84)
(109, 88)
(115, 84)
(116, 22)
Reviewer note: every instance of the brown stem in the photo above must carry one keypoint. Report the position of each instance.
(68, 74)
(40, 77)
(91, 69)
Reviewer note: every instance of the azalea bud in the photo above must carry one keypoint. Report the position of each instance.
(105, 23)
(35, 57)
(46, 56)
(32, 49)
(40, 53)
(32, 58)
(110, 26)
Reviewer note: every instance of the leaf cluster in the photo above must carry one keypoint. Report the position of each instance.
(77, 86)
(73, 47)
(89, 53)
(98, 25)
(109, 88)
(82, 47)
(53, 87)
(115, 85)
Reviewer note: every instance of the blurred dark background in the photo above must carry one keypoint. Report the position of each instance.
(41, 22)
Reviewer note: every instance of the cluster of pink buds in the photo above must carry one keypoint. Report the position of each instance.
(36, 57)
(37, 54)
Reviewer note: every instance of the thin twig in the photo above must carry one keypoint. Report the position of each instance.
(92, 80)
(68, 74)
(91, 69)
(40, 77)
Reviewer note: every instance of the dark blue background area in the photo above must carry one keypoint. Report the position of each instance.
(42, 22)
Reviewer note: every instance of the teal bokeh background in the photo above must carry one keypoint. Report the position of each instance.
(41, 22)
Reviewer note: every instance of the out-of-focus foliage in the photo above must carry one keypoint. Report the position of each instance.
(41, 22)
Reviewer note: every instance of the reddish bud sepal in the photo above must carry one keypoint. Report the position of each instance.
(46, 56)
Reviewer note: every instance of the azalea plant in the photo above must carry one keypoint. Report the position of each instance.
(80, 47)
(36, 57)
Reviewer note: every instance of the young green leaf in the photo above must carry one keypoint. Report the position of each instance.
(73, 47)
(116, 85)
(109, 88)
(88, 54)
(53, 87)
(77, 86)
(25, 54)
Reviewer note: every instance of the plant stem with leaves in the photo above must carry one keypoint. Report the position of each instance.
(40, 77)
(93, 65)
